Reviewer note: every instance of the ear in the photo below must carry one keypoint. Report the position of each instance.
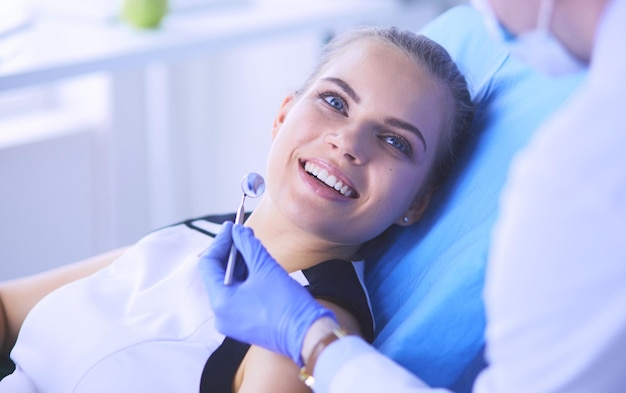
(416, 211)
(282, 114)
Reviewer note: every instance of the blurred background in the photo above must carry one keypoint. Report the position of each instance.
(109, 130)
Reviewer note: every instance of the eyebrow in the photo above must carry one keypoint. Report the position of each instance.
(345, 87)
(392, 121)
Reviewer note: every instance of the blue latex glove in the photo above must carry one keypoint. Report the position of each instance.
(267, 308)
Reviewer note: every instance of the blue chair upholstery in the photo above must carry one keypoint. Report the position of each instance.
(426, 281)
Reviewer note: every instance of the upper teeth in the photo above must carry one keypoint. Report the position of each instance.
(329, 180)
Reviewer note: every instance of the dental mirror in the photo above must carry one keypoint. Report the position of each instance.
(252, 186)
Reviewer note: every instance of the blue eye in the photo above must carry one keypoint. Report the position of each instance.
(398, 143)
(335, 101)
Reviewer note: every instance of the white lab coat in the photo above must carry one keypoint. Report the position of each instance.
(556, 281)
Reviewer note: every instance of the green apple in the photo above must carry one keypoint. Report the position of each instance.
(145, 14)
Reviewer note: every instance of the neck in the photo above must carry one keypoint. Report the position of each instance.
(575, 23)
(293, 247)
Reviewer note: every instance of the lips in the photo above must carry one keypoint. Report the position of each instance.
(329, 180)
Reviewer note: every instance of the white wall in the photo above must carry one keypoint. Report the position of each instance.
(173, 143)
(45, 191)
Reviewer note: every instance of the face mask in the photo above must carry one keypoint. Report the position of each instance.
(538, 48)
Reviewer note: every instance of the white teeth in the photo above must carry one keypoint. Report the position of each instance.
(329, 180)
(322, 175)
(312, 169)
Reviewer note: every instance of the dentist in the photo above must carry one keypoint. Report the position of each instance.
(556, 282)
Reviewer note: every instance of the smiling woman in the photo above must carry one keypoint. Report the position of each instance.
(360, 147)
(350, 138)
(355, 112)
(441, 72)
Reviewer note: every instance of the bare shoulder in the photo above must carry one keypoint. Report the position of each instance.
(346, 320)
(263, 371)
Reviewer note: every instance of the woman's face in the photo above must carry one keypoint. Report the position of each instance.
(351, 153)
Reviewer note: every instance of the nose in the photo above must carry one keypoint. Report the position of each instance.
(350, 144)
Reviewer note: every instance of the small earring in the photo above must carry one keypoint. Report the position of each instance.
(405, 219)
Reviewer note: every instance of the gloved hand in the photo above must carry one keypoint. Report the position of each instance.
(268, 308)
